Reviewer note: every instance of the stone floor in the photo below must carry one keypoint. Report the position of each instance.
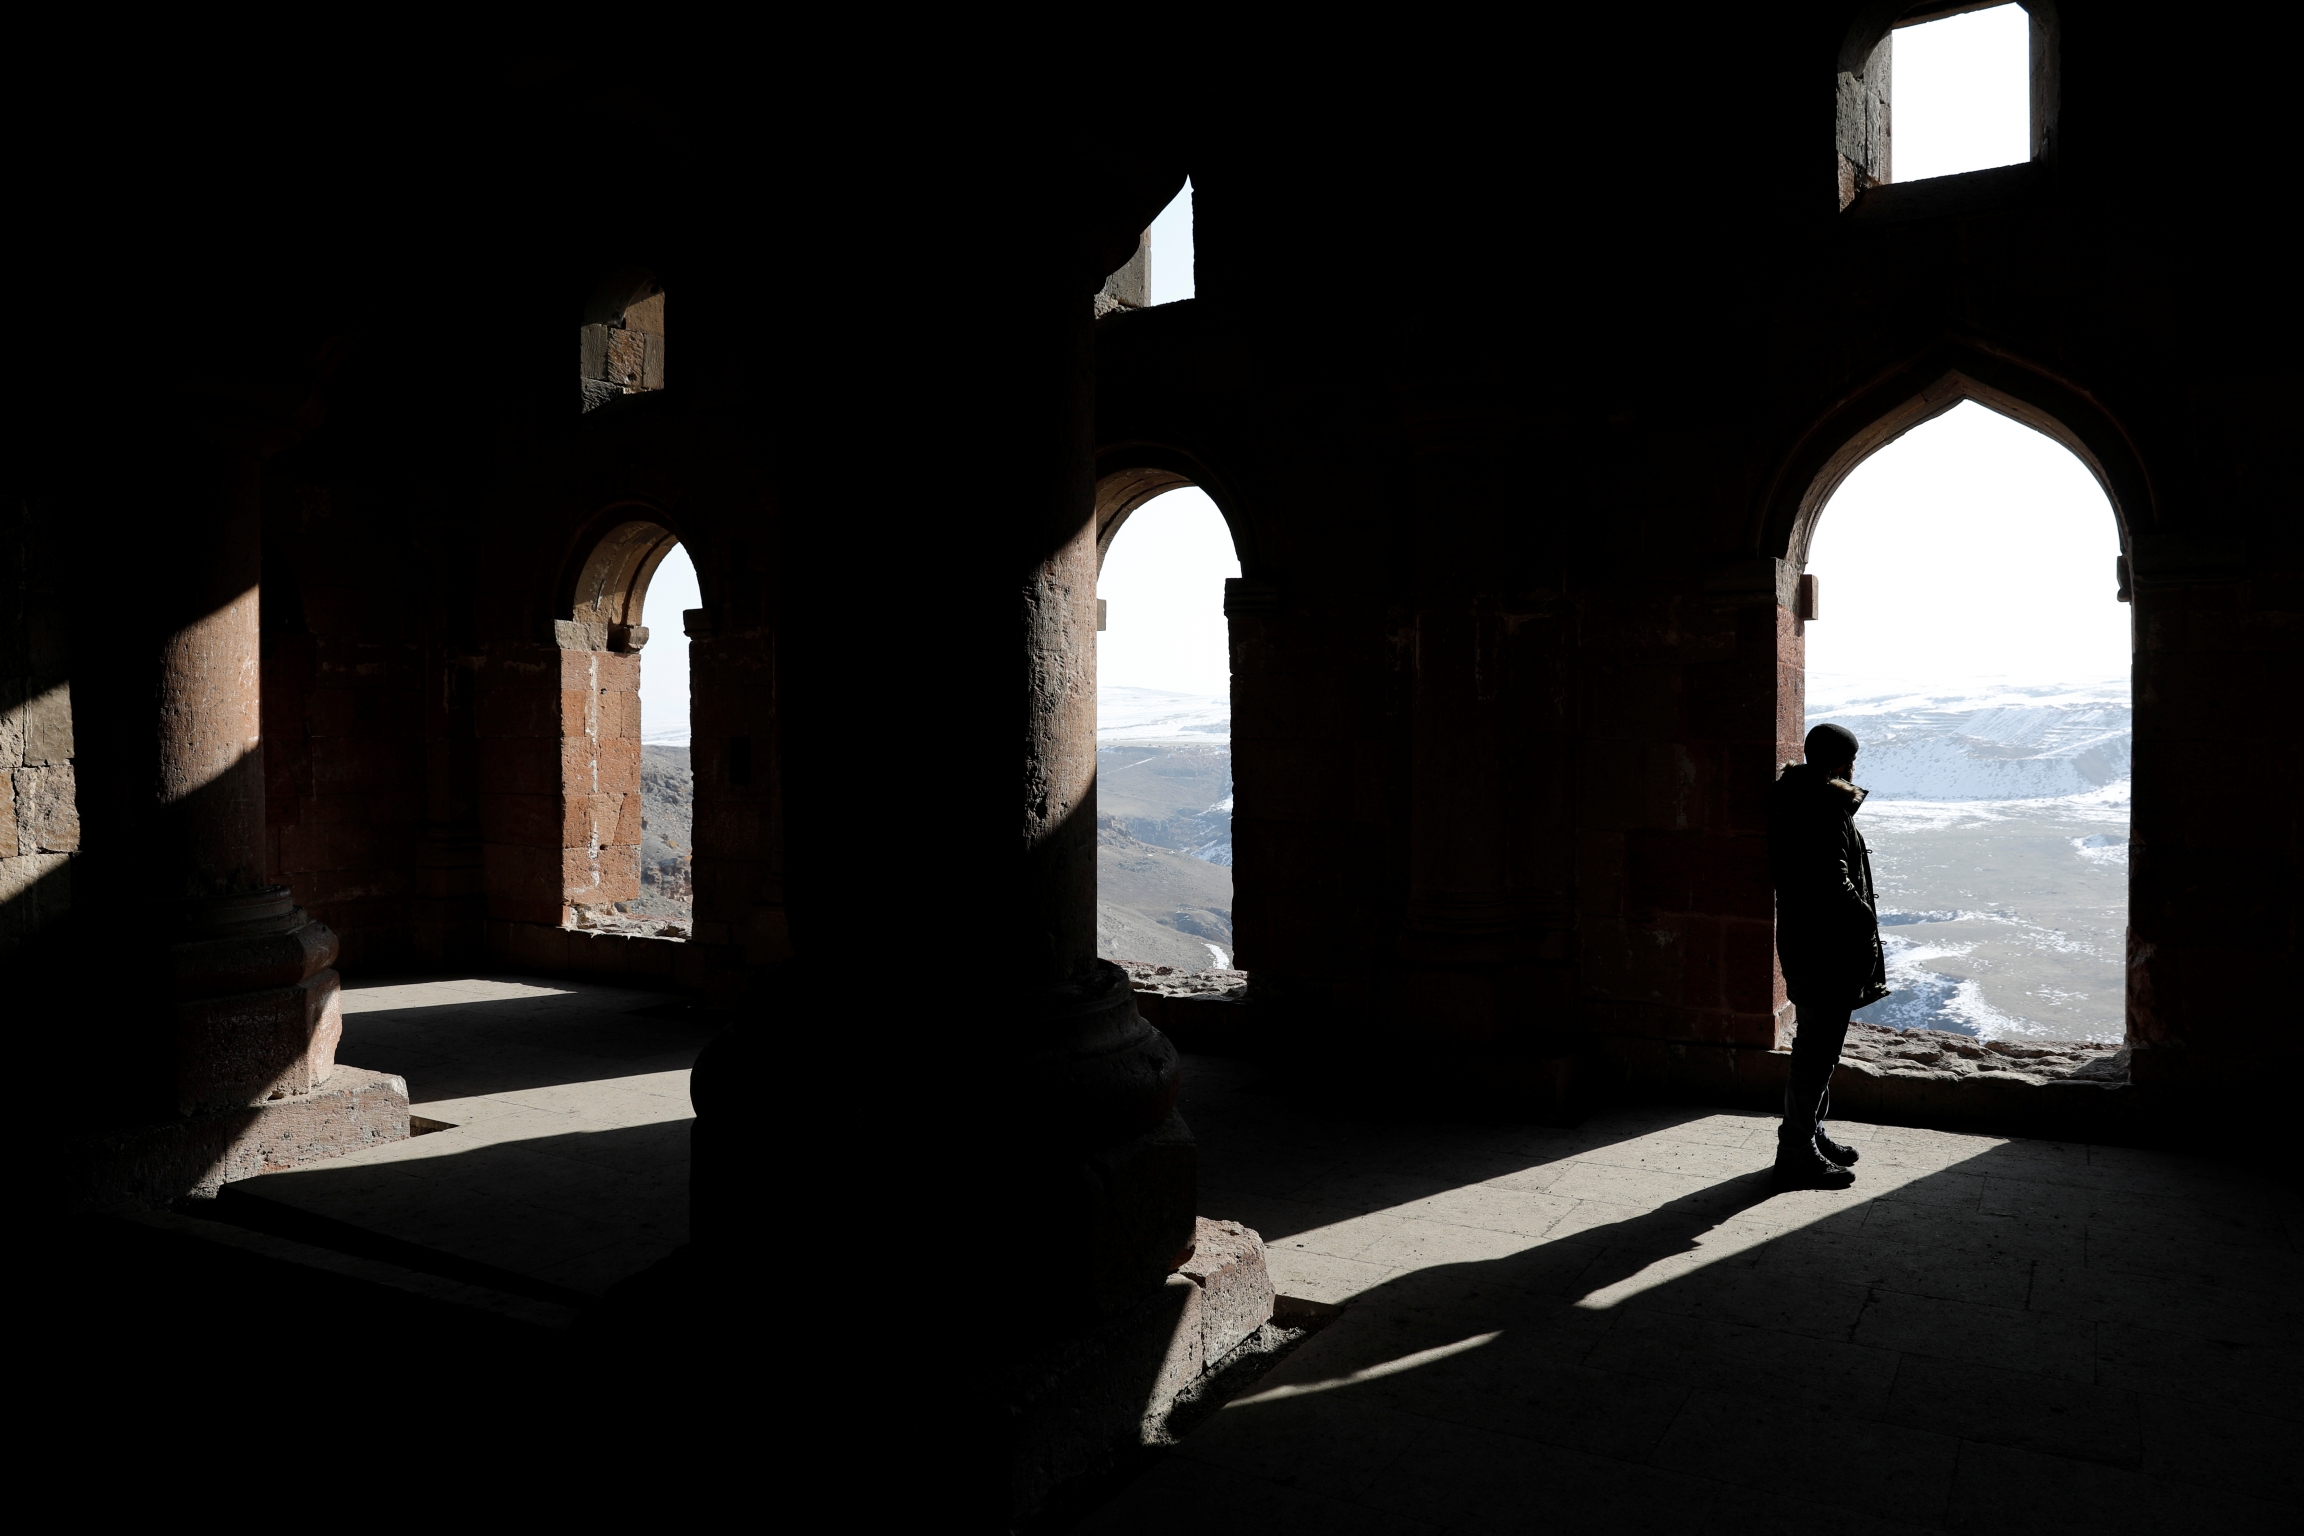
(565, 1154)
(1617, 1328)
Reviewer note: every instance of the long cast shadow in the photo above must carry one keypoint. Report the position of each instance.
(491, 1046)
(2030, 1338)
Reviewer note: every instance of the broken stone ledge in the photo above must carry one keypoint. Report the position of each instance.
(2065, 1089)
(196, 1156)
(1078, 1403)
(635, 959)
(1196, 1009)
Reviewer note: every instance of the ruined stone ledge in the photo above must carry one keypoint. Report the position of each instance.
(153, 1165)
(636, 959)
(1080, 1401)
(1199, 1010)
(2072, 1090)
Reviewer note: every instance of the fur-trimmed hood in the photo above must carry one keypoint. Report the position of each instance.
(1806, 779)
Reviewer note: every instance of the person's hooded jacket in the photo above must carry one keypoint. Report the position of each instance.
(1827, 917)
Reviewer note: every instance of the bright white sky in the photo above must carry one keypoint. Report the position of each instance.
(1172, 250)
(1970, 551)
(1163, 587)
(1960, 94)
(664, 659)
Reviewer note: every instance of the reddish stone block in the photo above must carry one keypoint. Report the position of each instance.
(618, 872)
(579, 671)
(631, 810)
(579, 876)
(517, 712)
(518, 873)
(531, 820)
(616, 672)
(618, 766)
(619, 714)
(578, 774)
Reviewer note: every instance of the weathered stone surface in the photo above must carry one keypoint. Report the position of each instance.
(199, 1154)
(254, 1047)
(47, 720)
(1079, 1400)
(1915, 1077)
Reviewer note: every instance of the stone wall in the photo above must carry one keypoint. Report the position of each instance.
(39, 797)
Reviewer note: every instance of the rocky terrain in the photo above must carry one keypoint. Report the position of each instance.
(1164, 851)
(667, 902)
(1950, 1055)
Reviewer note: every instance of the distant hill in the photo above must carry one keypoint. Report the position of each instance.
(1164, 828)
(2021, 743)
(667, 809)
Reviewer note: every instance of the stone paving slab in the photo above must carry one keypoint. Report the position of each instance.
(567, 1156)
(1619, 1328)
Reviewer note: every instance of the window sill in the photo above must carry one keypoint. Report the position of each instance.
(1970, 192)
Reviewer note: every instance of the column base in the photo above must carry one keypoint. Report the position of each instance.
(198, 1155)
(1078, 1402)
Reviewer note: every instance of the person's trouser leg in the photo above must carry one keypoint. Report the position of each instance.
(1815, 1052)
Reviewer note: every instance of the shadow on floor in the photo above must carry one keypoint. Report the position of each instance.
(1986, 1335)
(548, 1034)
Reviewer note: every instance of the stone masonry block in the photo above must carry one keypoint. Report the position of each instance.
(518, 711)
(47, 809)
(616, 672)
(48, 726)
(619, 713)
(630, 812)
(619, 766)
(520, 872)
(599, 816)
(619, 872)
(577, 769)
(579, 876)
(157, 1164)
(250, 1047)
(579, 712)
(11, 841)
(11, 723)
(592, 352)
(528, 767)
(536, 821)
(579, 671)
(626, 357)
(1236, 1296)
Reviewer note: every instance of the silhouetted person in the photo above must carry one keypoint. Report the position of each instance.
(1828, 936)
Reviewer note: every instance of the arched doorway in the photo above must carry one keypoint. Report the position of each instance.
(628, 801)
(1164, 736)
(1964, 619)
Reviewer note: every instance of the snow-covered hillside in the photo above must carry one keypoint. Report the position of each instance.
(1998, 821)
(1154, 714)
(2013, 743)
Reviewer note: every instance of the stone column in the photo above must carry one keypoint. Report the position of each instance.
(254, 1001)
(1095, 1082)
(257, 1012)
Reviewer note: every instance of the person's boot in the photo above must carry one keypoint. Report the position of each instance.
(1800, 1166)
(1834, 1151)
